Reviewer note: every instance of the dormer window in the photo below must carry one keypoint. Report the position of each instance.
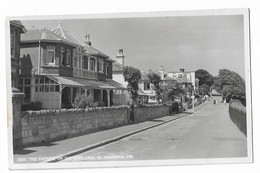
(50, 59)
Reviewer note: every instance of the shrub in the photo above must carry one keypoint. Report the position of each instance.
(33, 106)
(101, 104)
(175, 106)
(82, 101)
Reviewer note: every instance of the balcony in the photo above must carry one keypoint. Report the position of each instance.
(84, 73)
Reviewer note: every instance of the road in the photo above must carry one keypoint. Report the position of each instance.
(207, 133)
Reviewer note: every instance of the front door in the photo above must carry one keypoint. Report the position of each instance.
(66, 98)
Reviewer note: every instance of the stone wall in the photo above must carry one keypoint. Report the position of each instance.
(38, 127)
(237, 113)
(150, 112)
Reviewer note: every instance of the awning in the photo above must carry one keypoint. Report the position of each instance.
(86, 83)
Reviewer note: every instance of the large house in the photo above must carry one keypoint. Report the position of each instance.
(56, 67)
(182, 79)
(16, 28)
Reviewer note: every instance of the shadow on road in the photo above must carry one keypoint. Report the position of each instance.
(29, 150)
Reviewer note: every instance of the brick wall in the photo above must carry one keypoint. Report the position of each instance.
(51, 125)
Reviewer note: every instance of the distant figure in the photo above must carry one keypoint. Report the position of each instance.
(225, 101)
(214, 101)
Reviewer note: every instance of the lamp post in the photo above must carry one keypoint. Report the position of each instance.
(193, 97)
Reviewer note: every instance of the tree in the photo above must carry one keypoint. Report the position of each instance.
(132, 76)
(204, 89)
(228, 82)
(170, 91)
(204, 77)
(155, 79)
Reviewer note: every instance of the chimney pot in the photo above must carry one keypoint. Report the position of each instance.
(87, 39)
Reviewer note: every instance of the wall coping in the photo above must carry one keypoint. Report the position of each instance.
(78, 110)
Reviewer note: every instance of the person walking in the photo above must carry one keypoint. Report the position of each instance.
(225, 101)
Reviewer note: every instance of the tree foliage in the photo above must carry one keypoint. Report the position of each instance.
(170, 91)
(155, 79)
(204, 89)
(204, 77)
(230, 82)
(132, 76)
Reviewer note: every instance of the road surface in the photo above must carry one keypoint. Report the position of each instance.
(208, 133)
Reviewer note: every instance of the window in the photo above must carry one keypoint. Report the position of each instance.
(147, 86)
(51, 88)
(68, 57)
(100, 65)
(27, 81)
(57, 88)
(12, 43)
(62, 56)
(75, 61)
(107, 69)
(50, 59)
(92, 64)
(82, 61)
(85, 62)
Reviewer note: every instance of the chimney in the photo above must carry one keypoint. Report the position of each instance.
(182, 70)
(161, 71)
(120, 57)
(87, 39)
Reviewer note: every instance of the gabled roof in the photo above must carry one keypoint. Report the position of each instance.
(64, 34)
(117, 67)
(88, 49)
(18, 24)
(43, 35)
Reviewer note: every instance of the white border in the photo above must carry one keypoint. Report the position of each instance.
(248, 159)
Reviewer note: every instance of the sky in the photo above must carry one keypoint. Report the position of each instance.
(189, 42)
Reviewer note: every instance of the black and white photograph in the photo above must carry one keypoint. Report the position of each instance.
(131, 89)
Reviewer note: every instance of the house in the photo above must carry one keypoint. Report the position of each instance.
(118, 66)
(16, 28)
(147, 88)
(190, 83)
(182, 79)
(56, 67)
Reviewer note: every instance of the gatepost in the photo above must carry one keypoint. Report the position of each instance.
(17, 100)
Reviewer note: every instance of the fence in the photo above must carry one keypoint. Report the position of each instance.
(237, 113)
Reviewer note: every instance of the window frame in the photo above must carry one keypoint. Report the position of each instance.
(101, 65)
(49, 49)
(68, 58)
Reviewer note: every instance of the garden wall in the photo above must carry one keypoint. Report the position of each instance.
(51, 125)
(237, 113)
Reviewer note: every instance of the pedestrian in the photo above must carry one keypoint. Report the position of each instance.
(214, 101)
(225, 101)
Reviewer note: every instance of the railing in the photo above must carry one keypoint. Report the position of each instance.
(237, 113)
(84, 73)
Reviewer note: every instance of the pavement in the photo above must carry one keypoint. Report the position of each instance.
(59, 150)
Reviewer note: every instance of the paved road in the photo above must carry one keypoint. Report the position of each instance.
(208, 133)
